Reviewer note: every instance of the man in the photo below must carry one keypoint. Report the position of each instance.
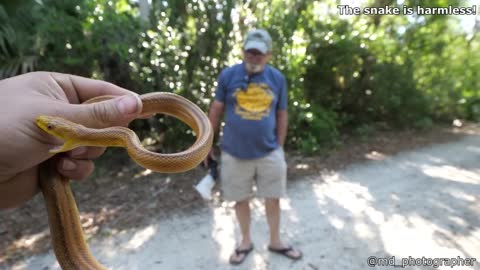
(254, 98)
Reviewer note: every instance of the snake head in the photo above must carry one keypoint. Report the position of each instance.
(59, 128)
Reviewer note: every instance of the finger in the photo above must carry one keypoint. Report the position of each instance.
(114, 112)
(74, 168)
(79, 89)
(84, 152)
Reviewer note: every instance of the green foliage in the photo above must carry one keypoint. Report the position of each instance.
(344, 74)
(17, 55)
(364, 131)
(61, 38)
(312, 128)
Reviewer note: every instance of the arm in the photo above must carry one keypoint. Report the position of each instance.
(282, 113)
(216, 112)
(282, 125)
(215, 116)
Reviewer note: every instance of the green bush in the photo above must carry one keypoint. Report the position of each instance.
(312, 128)
(343, 75)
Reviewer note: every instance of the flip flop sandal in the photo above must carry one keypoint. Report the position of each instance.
(285, 252)
(239, 252)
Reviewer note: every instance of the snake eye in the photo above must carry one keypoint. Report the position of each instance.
(50, 126)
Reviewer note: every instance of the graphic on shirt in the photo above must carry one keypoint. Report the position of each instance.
(253, 103)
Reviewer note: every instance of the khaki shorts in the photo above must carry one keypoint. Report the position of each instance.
(238, 176)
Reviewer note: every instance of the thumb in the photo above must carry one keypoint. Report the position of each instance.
(113, 112)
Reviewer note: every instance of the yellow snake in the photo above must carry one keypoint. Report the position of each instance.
(68, 241)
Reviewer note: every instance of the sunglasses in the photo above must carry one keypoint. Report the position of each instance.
(255, 53)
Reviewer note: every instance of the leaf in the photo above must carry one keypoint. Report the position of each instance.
(3, 45)
(3, 14)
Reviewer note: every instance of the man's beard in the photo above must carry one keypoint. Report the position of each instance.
(253, 68)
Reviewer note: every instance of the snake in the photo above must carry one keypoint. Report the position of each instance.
(68, 241)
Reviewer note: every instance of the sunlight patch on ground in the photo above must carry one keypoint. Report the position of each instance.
(257, 208)
(289, 211)
(351, 196)
(451, 173)
(223, 231)
(27, 242)
(462, 196)
(458, 221)
(399, 234)
(142, 173)
(417, 237)
(374, 155)
(302, 166)
(338, 223)
(141, 237)
(31, 239)
(355, 199)
(364, 231)
(405, 236)
(258, 262)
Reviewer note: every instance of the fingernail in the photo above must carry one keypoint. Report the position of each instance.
(128, 104)
(68, 165)
(79, 151)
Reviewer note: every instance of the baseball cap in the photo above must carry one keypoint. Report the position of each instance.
(258, 39)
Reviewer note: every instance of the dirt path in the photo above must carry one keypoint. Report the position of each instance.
(420, 204)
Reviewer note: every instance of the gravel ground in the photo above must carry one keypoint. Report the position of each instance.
(415, 204)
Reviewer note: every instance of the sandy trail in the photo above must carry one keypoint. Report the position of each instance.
(416, 204)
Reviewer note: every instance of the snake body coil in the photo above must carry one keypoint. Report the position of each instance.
(68, 241)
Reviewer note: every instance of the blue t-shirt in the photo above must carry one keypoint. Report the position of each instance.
(251, 105)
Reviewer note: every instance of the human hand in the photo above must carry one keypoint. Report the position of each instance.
(24, 146)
